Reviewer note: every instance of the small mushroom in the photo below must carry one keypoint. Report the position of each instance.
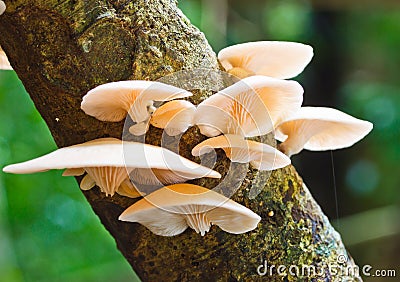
(113, 101)
(250, 107)
(170, 210)
(2, 7)
(320, 129)
(260, 156)
(174, 116)
(4, 63)
(109, 161)
(271, 58)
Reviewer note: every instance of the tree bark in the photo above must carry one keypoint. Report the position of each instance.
(62, 49)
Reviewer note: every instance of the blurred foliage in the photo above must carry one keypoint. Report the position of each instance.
(48, 231)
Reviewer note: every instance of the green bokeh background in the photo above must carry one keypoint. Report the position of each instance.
(48, 231)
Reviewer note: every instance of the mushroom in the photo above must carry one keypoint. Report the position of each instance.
(250, 107)
(261, 156)
(108, 162)
(170, 210)
(113, 101)
(271, 58)
(320, 129)
(174, 116)
(2, 7)
(4, 63)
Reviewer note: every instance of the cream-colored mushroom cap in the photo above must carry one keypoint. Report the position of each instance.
(170, 210)
(2, 7)
(320, 129)
(108, 161)
(261, 156)
(250, 107)
(112, 101)
(271, 58)
(4, 63)
(174, 116)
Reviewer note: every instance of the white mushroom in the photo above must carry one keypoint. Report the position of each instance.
(250, 107)
(113, 101)
(271, 58)
(320, 129)
(108, 162)
(4, 63)
(170, 210)
(175, 117)
(260, 156)
(2, 7)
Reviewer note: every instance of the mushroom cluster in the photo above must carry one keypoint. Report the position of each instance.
(298, 128)
(262, 102)
(114, 101)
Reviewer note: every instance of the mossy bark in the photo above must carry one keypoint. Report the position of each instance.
(62, 49)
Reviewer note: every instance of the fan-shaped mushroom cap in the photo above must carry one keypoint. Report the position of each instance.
(261, 156)
(108, 161)
(113, 101)
(250, 107)
(175, 117)
(320, 129)
(271, 58)
(170, 210)
(2, 7)
(4, 63)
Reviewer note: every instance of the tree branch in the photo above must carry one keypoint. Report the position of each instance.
(62, 49)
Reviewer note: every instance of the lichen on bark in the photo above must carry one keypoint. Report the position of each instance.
(62, 50)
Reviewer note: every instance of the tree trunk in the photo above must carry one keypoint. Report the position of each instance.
(62, 49)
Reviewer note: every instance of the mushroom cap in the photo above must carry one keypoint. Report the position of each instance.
(250, 107)
(4, 63)
(261, 156)
(321, 128)
(174, 116)
(170, 210)
(112, 101)
(2, 7)
(271, 58)
(112, 152)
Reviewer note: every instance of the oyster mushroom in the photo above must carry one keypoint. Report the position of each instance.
(170, 210)
(260, 156)
(4, 63)
(175, 117)
(271, 58)
(2, 7)
(113, 101)
(108, 162)
(250, 107)
(320, 129)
